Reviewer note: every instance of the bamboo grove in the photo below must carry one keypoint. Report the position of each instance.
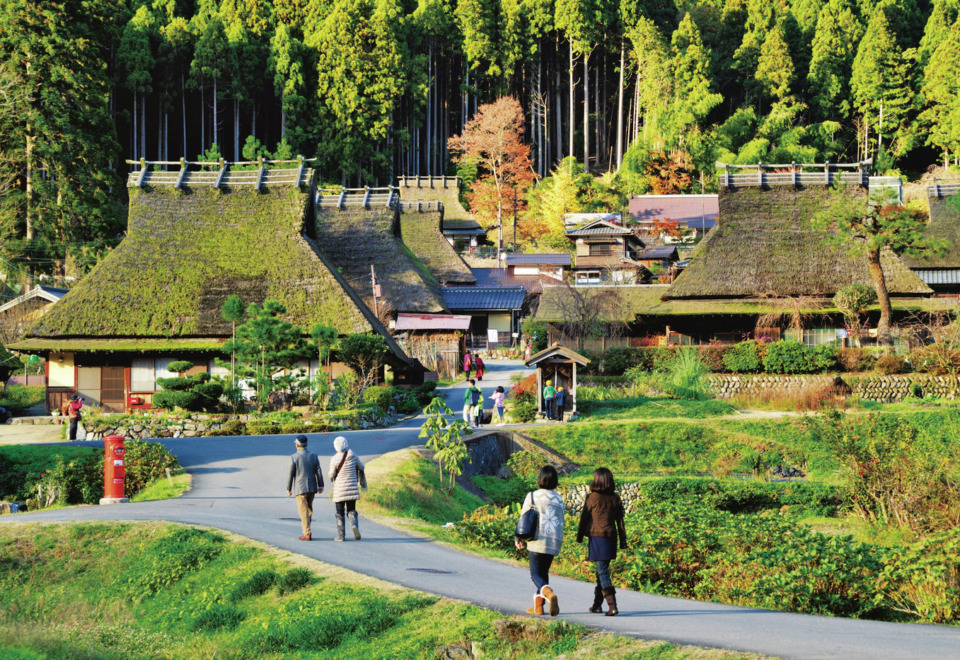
(375, 88)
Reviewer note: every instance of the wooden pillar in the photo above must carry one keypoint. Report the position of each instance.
(539, 389)
(573, 390)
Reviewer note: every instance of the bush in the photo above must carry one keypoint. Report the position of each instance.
(712, 357)
(855, 359)
(229, 427)
(293, 428)
(743, 358)
(378, 395)
(18, 398)
(146, 462)
(258, 583)
(263, 427)
(823, 357)
(193, 393)
(686, 377)
(170, 400)
(890, 364)
(294, 580)
(788, 356)
(525, 390)
(523, 411)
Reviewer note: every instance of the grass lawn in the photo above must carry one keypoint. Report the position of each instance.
(162, 489)
(649, 408)
(157, 590)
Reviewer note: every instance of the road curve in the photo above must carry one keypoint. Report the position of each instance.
(239, 486)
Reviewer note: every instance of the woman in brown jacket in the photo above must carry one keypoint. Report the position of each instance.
(602, 522)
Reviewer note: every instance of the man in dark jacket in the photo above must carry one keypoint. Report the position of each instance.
(305, 481)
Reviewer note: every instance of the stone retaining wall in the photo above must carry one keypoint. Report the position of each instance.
(868, 387)
(575, 496)
(490, 450)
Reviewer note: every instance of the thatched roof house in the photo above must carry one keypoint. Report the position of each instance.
(942, 273)
(356, 238)
(158, 295)
(420, 231)
(764, 246)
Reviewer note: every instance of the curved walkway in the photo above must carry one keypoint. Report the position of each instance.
(239, 485)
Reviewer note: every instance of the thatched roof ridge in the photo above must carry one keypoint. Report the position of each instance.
(421, 233)
(353, 239)
(944, 223)
(419, 188)
(186, 251)
(764, 246)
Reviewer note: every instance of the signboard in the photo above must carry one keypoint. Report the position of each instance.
(492, 336)
(841, 333)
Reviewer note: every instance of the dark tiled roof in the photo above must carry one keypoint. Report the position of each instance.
(450, 225)
(487, 277)
(600, 228)
(483, 298)
(557, 259)
(694, 211)
(934, 276)
(661, 252)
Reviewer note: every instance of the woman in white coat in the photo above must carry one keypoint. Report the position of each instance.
(344, 469)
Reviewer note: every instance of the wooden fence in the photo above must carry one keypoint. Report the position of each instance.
(197, 174)
(353, 198)
(428, 181)
(944, 188)
(421, 207)
(764, 174)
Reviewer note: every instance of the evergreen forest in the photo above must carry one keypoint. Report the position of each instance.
(375, 88)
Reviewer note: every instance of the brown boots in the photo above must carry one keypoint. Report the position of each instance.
(609, 593)
(546, 598)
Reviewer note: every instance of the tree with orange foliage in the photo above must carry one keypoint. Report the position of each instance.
(669, 174)
(494, 140)
(668, 227)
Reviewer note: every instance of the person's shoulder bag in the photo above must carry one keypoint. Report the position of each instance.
(528, 522)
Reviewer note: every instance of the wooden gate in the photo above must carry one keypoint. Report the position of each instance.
(112, 391)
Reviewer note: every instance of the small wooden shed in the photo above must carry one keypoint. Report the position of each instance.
(559, 365)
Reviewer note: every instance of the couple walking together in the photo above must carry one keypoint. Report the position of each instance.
(601, 523)
(306, 481)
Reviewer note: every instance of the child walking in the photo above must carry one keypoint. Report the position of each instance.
(546, 545)
(602, 522)
(498, 402)
(477, 408)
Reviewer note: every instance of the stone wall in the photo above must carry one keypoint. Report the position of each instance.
(867, 387)
(575, 496)
(490, 450)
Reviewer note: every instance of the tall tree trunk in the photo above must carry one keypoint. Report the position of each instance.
(236, 130)
(183, 114)
(253, 118)
(160, 119)
(883, 297)
(620, 108)
(586, 111)
(216, 119)
(558, 114)
(136, 124)
(570, 119)
(429, 109)
(143, 127)
(203, 117)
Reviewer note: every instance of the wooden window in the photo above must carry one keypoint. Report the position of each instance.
(142, 375)
(602, 249)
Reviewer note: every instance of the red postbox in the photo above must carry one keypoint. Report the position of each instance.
(114, 470)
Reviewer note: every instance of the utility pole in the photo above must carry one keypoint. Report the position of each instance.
(514, 219)
(376, 291)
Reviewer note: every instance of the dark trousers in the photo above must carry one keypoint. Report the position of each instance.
(560, 413)
(540, 569)
(351, 505)
(73, 428)
(551, 408)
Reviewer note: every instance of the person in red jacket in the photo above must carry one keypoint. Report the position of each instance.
(478, 363)
(74, 415)
(467, 365)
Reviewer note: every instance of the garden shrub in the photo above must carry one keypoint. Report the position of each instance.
(19, 398)
(378, 395)
(712, 356)
(924, 578)
(823, 357)
(293, 428)
(263, 427)
(788, 356)
(743, 358)
(523, 411)
(855, 359)
(146, 462)
(424, 393)
(685, 377)
(193, 393)
(230, 427)
(525, 389)
(887, 365)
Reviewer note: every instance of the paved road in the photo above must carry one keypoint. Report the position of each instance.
(239, 486)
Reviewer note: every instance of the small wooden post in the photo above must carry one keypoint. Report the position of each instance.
(169, 476)
(759, 174)
(826, 173)
(366, 196)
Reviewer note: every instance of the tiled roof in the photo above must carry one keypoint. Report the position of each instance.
(557, 259)
(500, 277)
(577, 218)
(694, 211)
(451, 226)
(600, 228)
(432, 322)
(661, 252)
(484, 298)
(941, 276)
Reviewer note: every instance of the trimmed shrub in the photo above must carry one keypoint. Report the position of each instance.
(787, 356)
(823, 357)
(146, 462)
(378, 395)
(713, 356)
(744, 358)
(523, 411)
(296, 427)
(263, 427)
(169, 400)
(890, 364)
(230, 427)
(855, 359)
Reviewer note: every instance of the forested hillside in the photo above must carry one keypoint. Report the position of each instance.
(375, 88)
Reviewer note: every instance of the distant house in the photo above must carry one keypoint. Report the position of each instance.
(662, 257)
(572, 220)
(606, 252)
(20, 313)
(437, 340)
(697, 213)
(494, 312)
(550, 265)
(193, 239)
(942, 274)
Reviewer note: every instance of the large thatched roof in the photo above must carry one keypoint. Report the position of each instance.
(435, 189)
(421, 233)
(355, 239)
(944, 223)
(186, 251)
(763, 246)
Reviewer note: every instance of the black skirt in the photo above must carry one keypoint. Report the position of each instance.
(602, 548)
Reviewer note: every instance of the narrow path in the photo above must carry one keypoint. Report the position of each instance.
(239, 485)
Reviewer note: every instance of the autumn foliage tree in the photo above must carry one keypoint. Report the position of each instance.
(493, 139)
(668, 227)
(669, 174)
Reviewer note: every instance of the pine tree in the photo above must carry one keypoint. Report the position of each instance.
(136, 63)
(942, 17)
(693, 95)
(941, 94)
(839, 31)
(775, 71)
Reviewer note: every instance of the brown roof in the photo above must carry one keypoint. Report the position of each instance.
(698, 211)
(421, 233)
(944, 223)
(764, 245)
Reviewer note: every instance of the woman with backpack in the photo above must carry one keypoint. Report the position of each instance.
(602, 522)
(548, 540)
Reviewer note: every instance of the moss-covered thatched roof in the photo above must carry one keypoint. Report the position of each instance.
(186, 251)
(626, 303)
(410, 191)
(944, 223)
(356, 238)
(763, 245)
(421, 233)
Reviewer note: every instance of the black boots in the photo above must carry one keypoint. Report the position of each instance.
(597, 607)
(355, 525)
(610, 594)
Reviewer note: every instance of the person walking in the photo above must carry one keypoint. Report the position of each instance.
(548, 399)
(346, 475)
(74, 414)
(470, 398)
(480, 366)
(546, 544)
(559, 401)
(602, 522)
(305, 481)
(467, 365)
(477, 408)
(499, 397)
